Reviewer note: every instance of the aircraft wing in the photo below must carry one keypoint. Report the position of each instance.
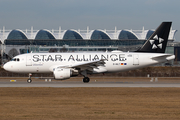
(89, 65)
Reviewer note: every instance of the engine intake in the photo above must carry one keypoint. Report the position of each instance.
(62, 73)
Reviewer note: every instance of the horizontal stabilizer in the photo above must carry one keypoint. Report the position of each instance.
(162, 57)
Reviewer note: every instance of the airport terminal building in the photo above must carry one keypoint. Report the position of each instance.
(14, 42)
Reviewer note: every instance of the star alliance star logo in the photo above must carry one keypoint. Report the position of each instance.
(156, 46)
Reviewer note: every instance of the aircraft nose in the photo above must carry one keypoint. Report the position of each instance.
(6, 66)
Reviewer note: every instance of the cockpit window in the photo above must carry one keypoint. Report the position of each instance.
(15, 59)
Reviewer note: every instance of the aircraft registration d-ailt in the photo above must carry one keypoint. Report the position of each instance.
(66, 65)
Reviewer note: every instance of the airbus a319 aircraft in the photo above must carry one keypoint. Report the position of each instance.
(66, 65)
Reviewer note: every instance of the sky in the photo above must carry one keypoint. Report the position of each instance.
(97, 14)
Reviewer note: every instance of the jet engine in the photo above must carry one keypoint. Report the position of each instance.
(64, 73)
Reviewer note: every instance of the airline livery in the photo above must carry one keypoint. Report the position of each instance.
(66, 65)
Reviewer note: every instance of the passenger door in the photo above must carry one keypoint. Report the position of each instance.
(135, 59)
(28, 60)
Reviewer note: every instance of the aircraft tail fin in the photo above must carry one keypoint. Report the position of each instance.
(158, 41)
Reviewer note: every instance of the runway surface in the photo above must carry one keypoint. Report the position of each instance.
(95, 82)
(60, 84)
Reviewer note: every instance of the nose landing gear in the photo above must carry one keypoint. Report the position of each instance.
(29, 80)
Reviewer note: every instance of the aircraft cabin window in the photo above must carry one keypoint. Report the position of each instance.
(15, 59)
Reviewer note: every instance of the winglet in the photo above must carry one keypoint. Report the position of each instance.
(158, 41)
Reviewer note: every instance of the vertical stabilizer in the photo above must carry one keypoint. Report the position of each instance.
(158, 41)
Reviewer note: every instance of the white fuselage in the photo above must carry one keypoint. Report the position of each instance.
(114, 61)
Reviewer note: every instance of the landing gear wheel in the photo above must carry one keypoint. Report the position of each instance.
(86, 79)
(29, 80)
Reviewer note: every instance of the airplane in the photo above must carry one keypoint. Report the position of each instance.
(66, 65)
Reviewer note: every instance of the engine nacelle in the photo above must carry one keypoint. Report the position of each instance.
(62, 73)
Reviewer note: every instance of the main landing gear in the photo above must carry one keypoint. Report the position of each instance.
(86, 79)
(29, 79)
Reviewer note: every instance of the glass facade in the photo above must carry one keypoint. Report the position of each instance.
(44, 35)
(16, 42)
(86, 43)
(71, 35)
(99, 35)
(149, 33)
(126, 35)
(16, 35)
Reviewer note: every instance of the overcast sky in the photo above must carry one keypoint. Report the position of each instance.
(97, 14)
